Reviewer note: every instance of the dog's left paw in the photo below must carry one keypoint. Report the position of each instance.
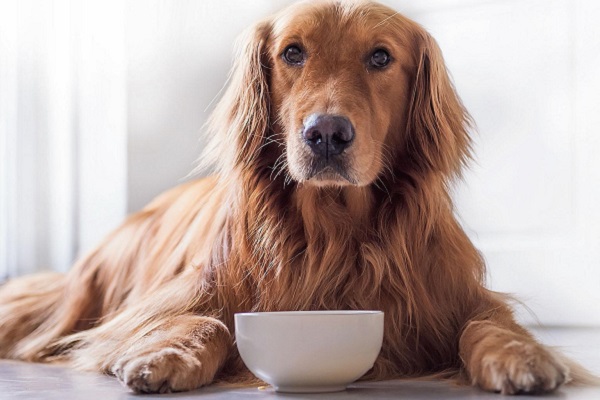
(164, 371)
(520, 367)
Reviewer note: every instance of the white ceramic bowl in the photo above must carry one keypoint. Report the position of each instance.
(309, 351)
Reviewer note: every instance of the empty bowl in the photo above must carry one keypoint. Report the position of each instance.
(309, 351)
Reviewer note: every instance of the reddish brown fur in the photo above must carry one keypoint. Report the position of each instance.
(154, 303)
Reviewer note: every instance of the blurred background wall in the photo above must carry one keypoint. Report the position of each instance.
(102, 105)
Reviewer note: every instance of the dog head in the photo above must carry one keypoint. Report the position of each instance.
(338, 93)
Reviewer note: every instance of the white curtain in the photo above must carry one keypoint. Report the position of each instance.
(62, 130)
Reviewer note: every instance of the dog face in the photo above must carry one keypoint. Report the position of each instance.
(341, 93)
(340, 85)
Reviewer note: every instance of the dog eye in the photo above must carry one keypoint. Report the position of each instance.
(293, 55)
(379, 59)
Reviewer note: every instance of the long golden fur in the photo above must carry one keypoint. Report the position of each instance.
(154, 303)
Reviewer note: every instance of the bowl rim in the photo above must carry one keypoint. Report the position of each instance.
(309, 313)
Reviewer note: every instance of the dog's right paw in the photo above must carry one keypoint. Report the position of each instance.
(164, 371)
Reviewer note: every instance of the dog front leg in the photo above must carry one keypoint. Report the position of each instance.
(504, 357)
(184, 353)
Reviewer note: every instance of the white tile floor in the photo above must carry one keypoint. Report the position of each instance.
(31, 381)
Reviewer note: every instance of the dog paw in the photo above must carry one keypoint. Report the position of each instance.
(520, 367)
(164, 371)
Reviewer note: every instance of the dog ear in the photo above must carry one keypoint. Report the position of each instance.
(438, 124)
(241, 118)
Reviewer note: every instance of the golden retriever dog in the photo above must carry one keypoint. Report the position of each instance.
(335, 146)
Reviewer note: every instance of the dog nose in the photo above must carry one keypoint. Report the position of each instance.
(328, 135)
